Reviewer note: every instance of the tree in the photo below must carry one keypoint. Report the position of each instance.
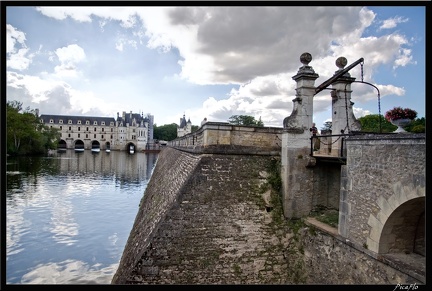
(245, 120)
(327, 126)
(25, 134)
(371, 123)
(194, 128)
(418, 125)
(165, 132)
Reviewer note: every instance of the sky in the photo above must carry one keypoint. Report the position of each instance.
(210, 61)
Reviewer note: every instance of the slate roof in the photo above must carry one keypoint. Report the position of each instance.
(56, 118)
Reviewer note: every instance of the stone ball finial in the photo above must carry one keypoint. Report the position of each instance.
(305, 58)
(341, 62)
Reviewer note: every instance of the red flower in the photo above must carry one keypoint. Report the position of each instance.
(400, 113)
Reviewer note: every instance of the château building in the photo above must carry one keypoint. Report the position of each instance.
(185, 127)
(129, 130)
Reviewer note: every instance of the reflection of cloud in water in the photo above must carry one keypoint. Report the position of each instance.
(63, 225)
(69, 272)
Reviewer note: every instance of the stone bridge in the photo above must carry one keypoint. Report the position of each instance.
(208, 215)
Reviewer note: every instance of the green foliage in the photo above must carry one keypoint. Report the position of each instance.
(274, 178)
(165, 132)
(327, 126)
(194, 128)
(25, 134)
(418, 125)
(371, 123)
(245, 120)
(326, 215)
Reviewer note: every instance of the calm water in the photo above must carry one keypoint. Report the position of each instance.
(68, 216)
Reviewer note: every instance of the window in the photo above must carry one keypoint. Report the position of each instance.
(87, 122)
(78, 135)
(95, 128)
(111, 123)
(79, 128)
(95, 123)
(111, 136)
(79, 121)
(70, 127)
(61, 127)
(87, 129)
(95, 135)
(102, 129)
(69, 135)
(51, 121)
(103, 123)
(102, 136)
(69, 121)
(61, 121)
(86, 135)
(111, 130)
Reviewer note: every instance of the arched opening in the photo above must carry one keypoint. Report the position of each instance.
(61, 146)
(79, 145)
(130, 148)
(95, 146)
(404, 230)
(107, 147)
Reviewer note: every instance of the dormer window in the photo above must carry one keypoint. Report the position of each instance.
(79, 121)
(95, 123)
(103, 123)
(69, 121)
(111, 123)
(61, 121)
(87, 122)
(51, 121)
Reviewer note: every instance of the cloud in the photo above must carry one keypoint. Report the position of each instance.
(255, 49)
(17, 58)
(392, 22)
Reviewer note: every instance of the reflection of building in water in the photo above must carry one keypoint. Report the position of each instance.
(121, 165)
(103, 132)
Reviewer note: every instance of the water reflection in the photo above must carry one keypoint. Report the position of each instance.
(69, 215)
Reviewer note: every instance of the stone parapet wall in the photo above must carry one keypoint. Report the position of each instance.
(382, 173)
(234, 137)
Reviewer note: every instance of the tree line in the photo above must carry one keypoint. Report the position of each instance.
(25, 133)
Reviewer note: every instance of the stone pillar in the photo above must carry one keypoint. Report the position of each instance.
(343, 119)
(297, 178)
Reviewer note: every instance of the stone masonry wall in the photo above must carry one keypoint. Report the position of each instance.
(382, 173)
(211, 219)
(219, 228)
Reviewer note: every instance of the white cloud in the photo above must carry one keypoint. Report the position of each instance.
(392, 22)
(17, 58)
(254, 49)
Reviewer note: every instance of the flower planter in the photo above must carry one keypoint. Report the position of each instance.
(400, 123)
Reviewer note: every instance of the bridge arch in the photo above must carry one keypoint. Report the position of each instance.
(131, 147)
(62, 145)
(399, 226)
(95, 144)
(78, 144)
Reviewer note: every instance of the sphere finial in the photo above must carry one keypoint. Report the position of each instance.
(341, 62)
(305, 58)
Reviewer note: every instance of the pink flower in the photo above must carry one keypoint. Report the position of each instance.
(400, 113)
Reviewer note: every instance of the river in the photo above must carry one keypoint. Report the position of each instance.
(69, 215)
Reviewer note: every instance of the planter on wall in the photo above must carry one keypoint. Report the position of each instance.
(400, 123)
